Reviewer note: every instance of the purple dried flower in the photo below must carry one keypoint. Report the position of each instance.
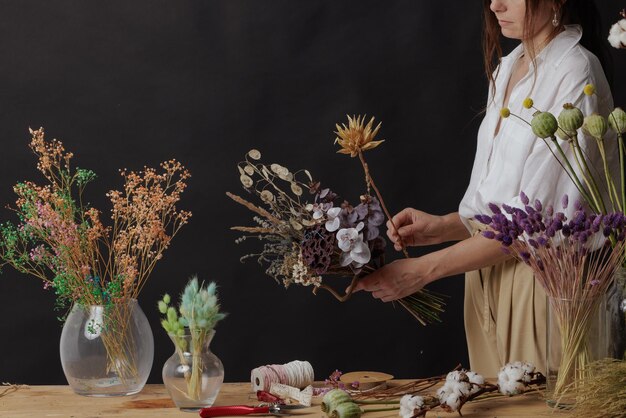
(566, 231)
(578, 205)
(525, 256)
(508, 209)
(564, 201)
(542, 241)
(607, 231)
(489, 234)
(494, 208)
(595, 282)
(524, 198)
(550, 210)
(533, 243)
(538, 205)
(550, 232)
(507, 240)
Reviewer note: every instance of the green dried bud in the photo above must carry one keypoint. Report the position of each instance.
(617, 120)
(166, 326)
(162, 307)
(166, 298)
(595, 125)
(172, 316)
(347, 410)
(570, 119)
(333, 398)
(544, 124)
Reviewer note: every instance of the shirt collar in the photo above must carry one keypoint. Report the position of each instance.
(555, 51)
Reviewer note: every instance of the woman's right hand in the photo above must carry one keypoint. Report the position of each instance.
(415, 228)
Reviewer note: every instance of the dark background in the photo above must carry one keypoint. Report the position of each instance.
(128, 83)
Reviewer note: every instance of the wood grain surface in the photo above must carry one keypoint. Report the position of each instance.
(154, 402)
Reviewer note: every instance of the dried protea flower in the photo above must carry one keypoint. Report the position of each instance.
(544, 124)
(595, 125)
(617, 120)
(357, 137)
(570, 119)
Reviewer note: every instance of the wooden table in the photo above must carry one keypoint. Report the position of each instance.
(153, 401)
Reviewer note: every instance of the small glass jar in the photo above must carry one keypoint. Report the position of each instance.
(107, 350)
(193, 375)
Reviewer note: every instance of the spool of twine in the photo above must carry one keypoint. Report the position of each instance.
(296, 373)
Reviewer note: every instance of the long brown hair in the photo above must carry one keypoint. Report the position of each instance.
(580, 12)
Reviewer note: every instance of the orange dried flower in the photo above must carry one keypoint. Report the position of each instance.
(357, 137)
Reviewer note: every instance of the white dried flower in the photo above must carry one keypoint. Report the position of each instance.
(617, 34)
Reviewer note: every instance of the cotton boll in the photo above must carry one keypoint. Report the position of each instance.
(455, 376)
(453, 401)
(475, 378)
(416, 402)
(616, 30)
(622, 39)
(622, 24)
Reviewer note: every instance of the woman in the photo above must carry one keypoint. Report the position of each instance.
(505, 308)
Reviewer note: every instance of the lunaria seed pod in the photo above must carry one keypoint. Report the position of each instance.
(595, 125)
(347, 410)
(333, 398)
(617, 120)
(571, 119)
(544, 124)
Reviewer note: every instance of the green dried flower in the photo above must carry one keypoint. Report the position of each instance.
(333, 398)
(347, 410)
(544, 124)
(595, 125)
(617, 120)
(570, 119)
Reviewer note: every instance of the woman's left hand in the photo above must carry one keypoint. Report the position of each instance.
(395, 280)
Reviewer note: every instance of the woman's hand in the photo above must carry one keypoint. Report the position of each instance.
(416, 228)
(396, 280)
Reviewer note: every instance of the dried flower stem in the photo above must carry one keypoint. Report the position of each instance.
(370, 180)
(8, 388)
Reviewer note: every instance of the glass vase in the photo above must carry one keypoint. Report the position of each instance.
(193, 375)
(578, 333)
(107, 350)
(616, 308)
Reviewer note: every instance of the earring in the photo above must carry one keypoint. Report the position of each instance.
(555, 20)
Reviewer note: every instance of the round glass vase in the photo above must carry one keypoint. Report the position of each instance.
(193, 375)
(107, 350)
(578, 333)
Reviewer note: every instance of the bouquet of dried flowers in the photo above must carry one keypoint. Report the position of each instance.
(62, 240)
(574, 260)
(198, 313)
(309, 240)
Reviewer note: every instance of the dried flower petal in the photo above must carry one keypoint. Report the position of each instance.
(254, 154)
(246, 181)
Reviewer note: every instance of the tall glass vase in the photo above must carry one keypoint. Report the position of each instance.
(578, 333)
(107, 350)
(616, 308)
(193, 375)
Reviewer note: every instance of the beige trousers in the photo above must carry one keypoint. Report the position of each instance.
(505, 317)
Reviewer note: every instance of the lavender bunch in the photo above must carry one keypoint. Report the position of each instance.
(575, 261)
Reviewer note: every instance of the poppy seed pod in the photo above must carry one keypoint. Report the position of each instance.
(617, 120)
(595, 125)
(333, 398)
(347, 410)
(571, 119)
(544, 124)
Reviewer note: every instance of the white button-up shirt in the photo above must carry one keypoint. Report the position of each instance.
(516, 160)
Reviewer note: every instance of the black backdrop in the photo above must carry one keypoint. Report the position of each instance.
(128, 83)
